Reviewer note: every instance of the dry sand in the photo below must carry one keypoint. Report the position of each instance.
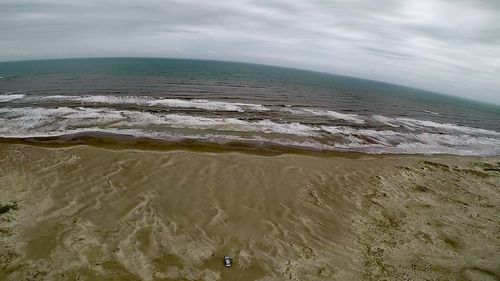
(88, 213)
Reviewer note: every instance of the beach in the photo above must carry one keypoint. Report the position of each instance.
(109, 212)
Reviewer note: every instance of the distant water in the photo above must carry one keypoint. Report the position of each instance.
(220, 102)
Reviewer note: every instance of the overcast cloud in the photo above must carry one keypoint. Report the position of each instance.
(449, 46)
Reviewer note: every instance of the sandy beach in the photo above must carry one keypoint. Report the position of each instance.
(92, 213)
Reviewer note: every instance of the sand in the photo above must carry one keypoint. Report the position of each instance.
(89, 213)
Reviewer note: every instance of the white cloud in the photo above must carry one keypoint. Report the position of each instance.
(441, 45)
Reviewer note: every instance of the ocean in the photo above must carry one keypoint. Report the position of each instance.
(176, 100)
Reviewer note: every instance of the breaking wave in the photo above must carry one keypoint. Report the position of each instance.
(402, 135)
(151, 101)
(354, 118)
(10, 96)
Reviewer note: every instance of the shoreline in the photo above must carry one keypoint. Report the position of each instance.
(127, 142)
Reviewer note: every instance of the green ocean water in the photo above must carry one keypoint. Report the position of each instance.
(174, 99)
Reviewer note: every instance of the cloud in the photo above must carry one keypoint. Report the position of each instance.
(450, 46)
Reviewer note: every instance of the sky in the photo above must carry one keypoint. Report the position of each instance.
(447, 46)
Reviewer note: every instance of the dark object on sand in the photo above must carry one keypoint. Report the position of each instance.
(228, 261)
(6, 208)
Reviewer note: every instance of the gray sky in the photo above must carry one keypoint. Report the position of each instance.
(449, 46)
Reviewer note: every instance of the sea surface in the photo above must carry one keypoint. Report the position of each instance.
(221, 102)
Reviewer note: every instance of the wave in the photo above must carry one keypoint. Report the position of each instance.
(387, 141)
(38, 122)
(431, 112)
(413, 124)
(386, 120)
(10, 96)
(172, 103)
(203, 104)
(29, 118)
(445, 126)
(88, 100)
(353, 118)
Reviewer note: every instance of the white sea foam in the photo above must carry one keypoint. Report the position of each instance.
(336, 115)
(353, 118)
(445, 126)
(431, 112)
(366, 132)
(427, 143)
(385, 120)
(378, 141)
(209, 105)
(366, 136)
(37, 121)
(407, 123)
(55, 97)
(59, 119)
(10, 96)
(234, 124)
(412, 124)
(165, 102)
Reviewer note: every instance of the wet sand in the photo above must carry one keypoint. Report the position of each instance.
(88, 213)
